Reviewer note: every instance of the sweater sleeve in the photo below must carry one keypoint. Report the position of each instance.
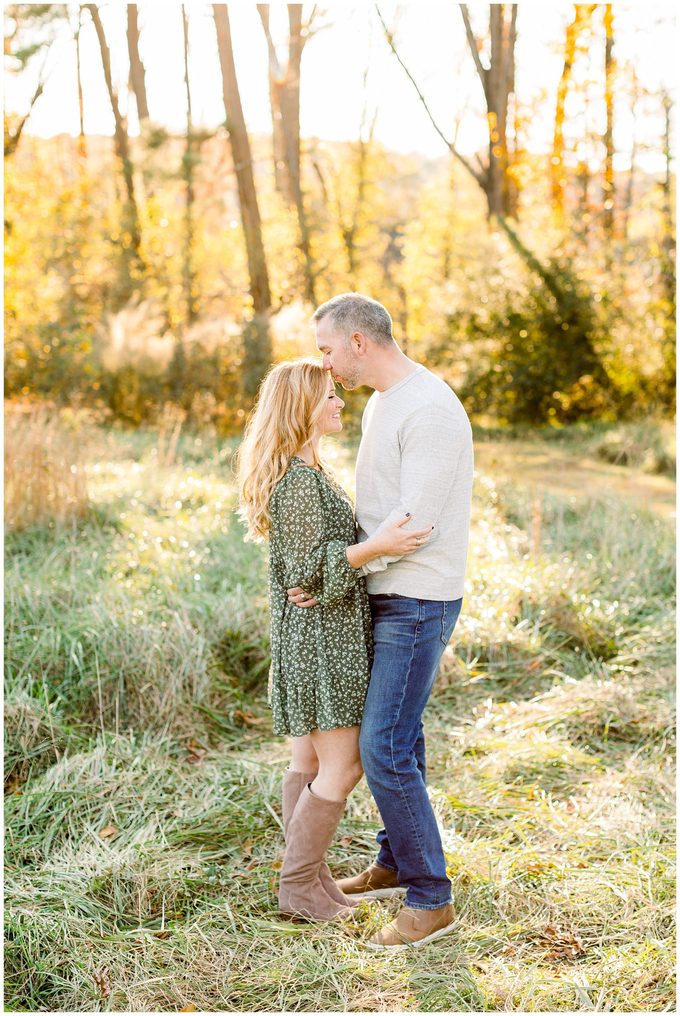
(316, 564)
(431, 447)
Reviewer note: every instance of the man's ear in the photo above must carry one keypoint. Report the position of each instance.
(360, 343)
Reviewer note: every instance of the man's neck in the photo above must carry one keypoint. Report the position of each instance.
(392, 368)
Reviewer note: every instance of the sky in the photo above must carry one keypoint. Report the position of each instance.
(349, 43)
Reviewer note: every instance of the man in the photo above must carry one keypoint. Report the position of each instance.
(415, 456)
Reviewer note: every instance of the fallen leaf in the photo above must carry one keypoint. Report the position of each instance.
(101, 979)
(189, 1008)
(276, 865)
(565, 944)
(537, 867)
(107, 831)
(247, 719)
(195, 751)
(161, 934)
(345, 841)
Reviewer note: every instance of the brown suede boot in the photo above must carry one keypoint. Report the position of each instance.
(293, 785)
(375, 883)
(414, 927)
(310, 831)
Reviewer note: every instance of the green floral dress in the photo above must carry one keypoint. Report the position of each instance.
(321, 656)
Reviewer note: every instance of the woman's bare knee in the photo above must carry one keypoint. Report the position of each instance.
(303, 755)
(354, 773)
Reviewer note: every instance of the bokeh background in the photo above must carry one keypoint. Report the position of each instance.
(512, 204)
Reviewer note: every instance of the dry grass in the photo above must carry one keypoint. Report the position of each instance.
(44, 476)
(143, 820)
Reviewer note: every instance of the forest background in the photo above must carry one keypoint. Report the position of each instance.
(534, 271)
(183, 185)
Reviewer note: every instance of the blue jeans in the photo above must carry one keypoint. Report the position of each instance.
(409, 637)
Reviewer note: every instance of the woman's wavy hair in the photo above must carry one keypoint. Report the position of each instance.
(287, 410)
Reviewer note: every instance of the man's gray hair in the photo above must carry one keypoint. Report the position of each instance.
(352, 312)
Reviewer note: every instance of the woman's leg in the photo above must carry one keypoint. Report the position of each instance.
(303, 768)
(304, 765)
(339, 762)
(303, 755)
(303, 888)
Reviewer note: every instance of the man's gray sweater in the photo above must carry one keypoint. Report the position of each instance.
(416, 456)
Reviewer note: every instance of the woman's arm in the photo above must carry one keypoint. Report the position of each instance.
(391, 540)
(312, 562)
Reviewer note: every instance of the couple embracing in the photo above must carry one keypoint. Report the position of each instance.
(363, 601)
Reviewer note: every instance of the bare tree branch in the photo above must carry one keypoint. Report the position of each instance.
(449, 144)
(12, 140)
(474, 49)
(263, 11)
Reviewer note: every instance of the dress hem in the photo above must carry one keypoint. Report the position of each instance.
(335, 726)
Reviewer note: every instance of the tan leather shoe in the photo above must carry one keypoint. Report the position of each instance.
(375, 883)
(413, 927)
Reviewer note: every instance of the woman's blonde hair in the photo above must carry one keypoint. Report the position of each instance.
(288, 407)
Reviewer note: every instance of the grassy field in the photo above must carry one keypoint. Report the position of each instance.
(142, 811)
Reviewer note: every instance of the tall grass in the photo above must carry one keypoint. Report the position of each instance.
(143, 831)
(44, 478)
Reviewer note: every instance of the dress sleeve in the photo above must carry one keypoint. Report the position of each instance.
(316, 564)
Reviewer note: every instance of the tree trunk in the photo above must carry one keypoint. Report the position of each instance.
(131, 240)
(284, 92)
(630, 182)
(350, 229)
(668, 241)
(257, 341)
(188, 272)
(668, 272)
(447, 252)
(284, 95)
(393, 257)
(609, 195)
(137, 74)
(278, 143)
(582, 16)
(82, 143)
(583, 197)
(498, 83)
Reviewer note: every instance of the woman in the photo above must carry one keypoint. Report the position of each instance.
(321, 655)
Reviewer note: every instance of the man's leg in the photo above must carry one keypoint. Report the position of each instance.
(385, 856)
(409, 636)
